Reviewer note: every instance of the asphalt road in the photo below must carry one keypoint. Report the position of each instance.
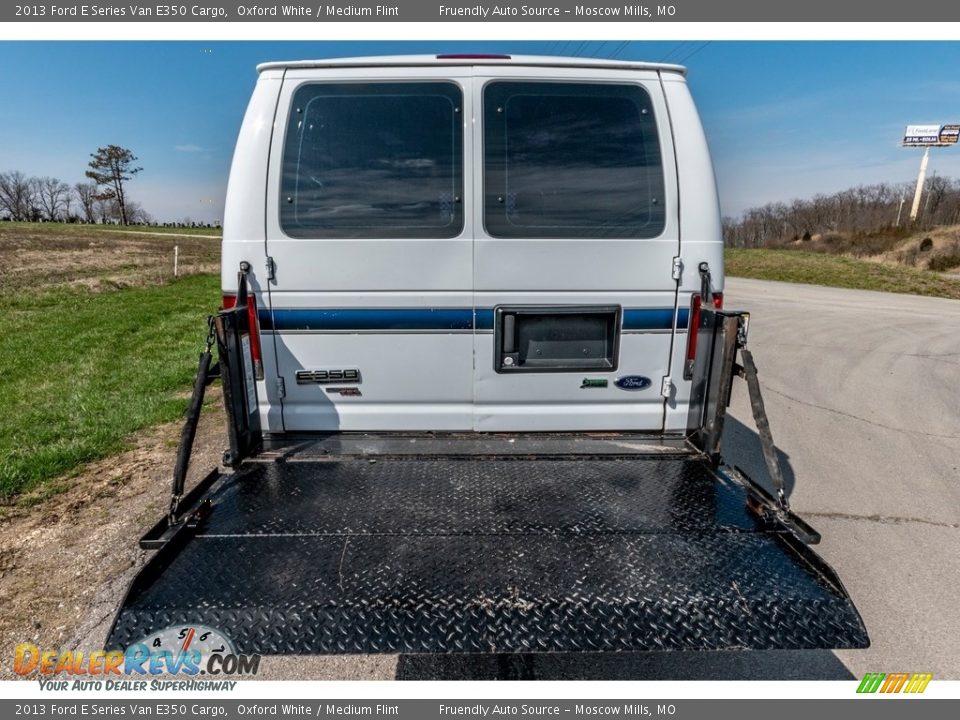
(863, 394)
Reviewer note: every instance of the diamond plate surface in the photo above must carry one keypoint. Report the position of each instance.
(501, 496)
(488, 555)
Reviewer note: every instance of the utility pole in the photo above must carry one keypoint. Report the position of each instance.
(899, 210)
(920, 178)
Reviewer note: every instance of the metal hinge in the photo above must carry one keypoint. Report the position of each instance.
(281, 388)
(271, 267)
(666, 387)
(677, 268)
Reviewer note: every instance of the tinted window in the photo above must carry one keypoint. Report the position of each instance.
(571, 160)
(374, 160)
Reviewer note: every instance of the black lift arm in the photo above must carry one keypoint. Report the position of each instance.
(722, 334)
(205, 375)
(230, 329)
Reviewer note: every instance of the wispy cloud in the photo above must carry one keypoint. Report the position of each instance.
(189, 148)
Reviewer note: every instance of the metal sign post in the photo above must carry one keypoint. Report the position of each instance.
(926, 136)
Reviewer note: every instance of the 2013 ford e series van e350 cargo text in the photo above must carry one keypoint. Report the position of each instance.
(476, 365)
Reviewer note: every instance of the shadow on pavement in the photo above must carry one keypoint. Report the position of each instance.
(694, 665)
(741, 447)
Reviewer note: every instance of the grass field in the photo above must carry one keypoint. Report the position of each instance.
(82, 370)
(837, 271)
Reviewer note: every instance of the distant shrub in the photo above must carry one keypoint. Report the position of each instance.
(909, 257)
(942, 263)
(877, 244)
(806, 236)
(926, 245)
(832, 242)
(858, 246)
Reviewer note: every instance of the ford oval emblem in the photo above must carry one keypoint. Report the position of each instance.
(633, 382)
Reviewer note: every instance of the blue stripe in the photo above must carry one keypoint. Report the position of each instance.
(484, 319)
(369, 319)
(653, 318)
(321, 319)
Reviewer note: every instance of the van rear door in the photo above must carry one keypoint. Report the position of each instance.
(371, 303)
(576, 232)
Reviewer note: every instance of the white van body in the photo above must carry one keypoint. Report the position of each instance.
(396, 213)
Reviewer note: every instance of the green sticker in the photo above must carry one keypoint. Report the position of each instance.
(594, 382)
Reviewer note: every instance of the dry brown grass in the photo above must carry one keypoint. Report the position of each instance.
(937, 249)
(97, 258)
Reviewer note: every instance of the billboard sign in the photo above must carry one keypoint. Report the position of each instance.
(930, 135)
(949, 134)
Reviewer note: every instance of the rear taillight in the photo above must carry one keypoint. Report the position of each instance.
(230, 301)
(696, 303)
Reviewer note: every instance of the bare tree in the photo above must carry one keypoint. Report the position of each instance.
(136, 214)
(86, 194)
(105, 210)
(856, 212)
(111, 167)
(937, 189)
(53, 197)
(17, 195)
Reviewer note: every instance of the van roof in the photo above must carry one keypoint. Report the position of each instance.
(470, 59)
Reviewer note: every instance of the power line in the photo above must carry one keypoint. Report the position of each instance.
(687, 57)
(620, 48)
(675, 49)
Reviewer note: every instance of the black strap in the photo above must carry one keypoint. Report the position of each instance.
(763, 427)
(189, 431)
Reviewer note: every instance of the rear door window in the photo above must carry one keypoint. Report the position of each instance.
(571, 160)
(374, 160)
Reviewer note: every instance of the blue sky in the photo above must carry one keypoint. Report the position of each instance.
(784, 119)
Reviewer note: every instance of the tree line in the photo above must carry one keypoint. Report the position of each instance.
(102, 198)
(859, 210)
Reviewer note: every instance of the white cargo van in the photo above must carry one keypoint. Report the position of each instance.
(476, 368)
(483, 243)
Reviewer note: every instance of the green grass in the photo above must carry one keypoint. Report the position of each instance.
(75, 228)
(837, 271)
(82, 371)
